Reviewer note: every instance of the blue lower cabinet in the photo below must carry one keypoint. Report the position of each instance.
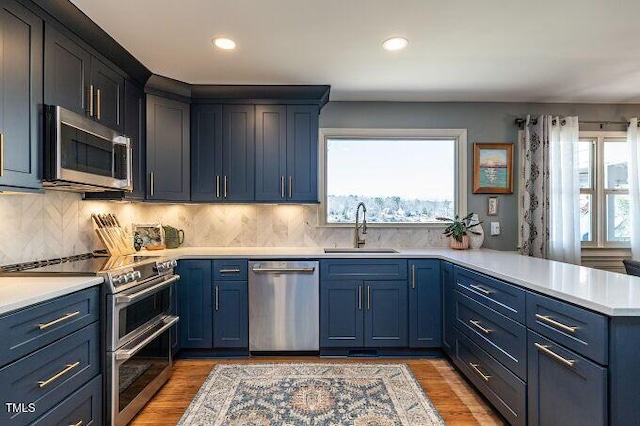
(230, 314)
(425, 304)
(341, 314)
(564, 388)
(448, 308)
(195, 304)
(83, 407)
(386, 314)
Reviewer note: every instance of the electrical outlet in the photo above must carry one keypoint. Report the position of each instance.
(495, 228)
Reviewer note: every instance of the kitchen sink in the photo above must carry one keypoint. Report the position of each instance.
(359, 250)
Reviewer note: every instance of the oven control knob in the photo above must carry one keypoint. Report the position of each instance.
(173, 263)
(137, 275)
(130, 276)
(119, 279)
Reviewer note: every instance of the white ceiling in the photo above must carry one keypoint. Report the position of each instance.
(459, 50)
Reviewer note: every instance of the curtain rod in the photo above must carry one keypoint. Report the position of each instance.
(521, 121)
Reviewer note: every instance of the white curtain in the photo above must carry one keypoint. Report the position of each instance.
(633, 145)
(564, 191)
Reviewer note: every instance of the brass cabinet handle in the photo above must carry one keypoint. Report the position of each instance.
(290, 186)
(91, 100)
(98, 104)
(476, 368)
(545, 349)
(152, 183)
(281, 186)
(53, 378)
(1, 154)
(413, 276)
(230, 271)
(551, 321)
(480, 327)
(217, 186)
(217, 298)
(225, 186)
(368, 298)
(359, 297)
(56, 321)
(480, 289)
(77, 424)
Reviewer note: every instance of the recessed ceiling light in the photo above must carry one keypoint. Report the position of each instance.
(395, 43)
(224, 43)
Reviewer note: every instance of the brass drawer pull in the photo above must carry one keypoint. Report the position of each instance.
(90, 100)
(476, 368)
(68, 368)
(80, 423)
(217, 186)
(98, 105)
(290, 187)
(551, 321)
(56, 321)
(152, 183)
(413, 276)
(217, 299)
(359, 297)
(368, 298)
(225, 187)
(229, 271)
(281, 186)
(480, 327)
(480, 289)
(546, 350)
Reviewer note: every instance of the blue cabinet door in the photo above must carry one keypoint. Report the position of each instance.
(238, 150)
(425, 304)
(271, 150)
(230, 314)
(20, 95)
(195, 304)
(206, 153)
(386, 314)
(564, 388)
(341, 313)
(302, 153)
(448, 308)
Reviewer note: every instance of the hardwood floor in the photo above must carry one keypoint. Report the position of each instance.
(454, 399)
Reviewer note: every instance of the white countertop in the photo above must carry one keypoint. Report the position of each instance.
(609, 293)
(605, 292)
(19, 292)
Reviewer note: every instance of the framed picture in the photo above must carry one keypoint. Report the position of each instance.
(492, 206)
(151, 234)
(492, 164)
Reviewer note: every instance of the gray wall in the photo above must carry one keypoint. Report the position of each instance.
(485, 122)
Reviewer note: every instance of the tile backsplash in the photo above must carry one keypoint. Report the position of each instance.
(42, 226)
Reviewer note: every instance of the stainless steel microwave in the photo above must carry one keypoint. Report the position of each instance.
(82, 155)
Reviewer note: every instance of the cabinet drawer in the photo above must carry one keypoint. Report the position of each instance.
(505, 298)
(564, 388)
(29, 329)
(83, 407)
(501, 387)
(504, 339)
(230, 270)
(50, 374)
(578, 329)
(366, 269)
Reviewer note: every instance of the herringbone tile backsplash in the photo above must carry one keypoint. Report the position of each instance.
(54, 224)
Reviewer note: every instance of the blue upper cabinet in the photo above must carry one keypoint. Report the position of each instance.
(108, 91)
(425, 304)
(20, 96)
(238, 152)
(195, 304)
(206, 153)
(287, 153)
(167, 149)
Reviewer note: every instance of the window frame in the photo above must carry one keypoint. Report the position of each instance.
(460, 173)
(599, 192)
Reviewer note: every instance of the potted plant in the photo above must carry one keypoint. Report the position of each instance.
(458, 229)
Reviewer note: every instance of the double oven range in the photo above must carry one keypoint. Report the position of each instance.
(137, 307)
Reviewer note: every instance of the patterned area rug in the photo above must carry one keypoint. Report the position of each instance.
(311, 394)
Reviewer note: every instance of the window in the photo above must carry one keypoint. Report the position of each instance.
(402, 176)
(604, 189)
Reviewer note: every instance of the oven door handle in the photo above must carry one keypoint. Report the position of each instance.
(125, 354)
(131, 298)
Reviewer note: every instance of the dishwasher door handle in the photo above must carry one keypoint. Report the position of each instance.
(284, 270)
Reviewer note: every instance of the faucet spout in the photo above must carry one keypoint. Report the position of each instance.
(357, 241)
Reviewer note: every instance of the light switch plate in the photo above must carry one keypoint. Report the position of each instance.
(495, 228)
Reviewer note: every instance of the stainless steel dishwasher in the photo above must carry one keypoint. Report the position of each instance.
(284, 313)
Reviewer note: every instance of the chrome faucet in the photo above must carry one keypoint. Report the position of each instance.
(357, 242)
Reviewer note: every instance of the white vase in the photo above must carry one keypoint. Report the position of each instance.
(476, 240)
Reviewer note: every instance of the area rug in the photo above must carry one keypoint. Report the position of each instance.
(311, 394)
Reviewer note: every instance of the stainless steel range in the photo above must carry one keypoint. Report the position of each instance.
(137, 311)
